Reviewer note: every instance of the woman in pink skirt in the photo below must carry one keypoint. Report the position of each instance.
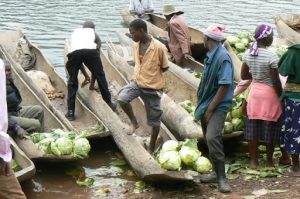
(264, 108)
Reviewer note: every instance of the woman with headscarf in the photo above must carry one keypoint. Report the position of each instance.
(289, 65)
(264, 108)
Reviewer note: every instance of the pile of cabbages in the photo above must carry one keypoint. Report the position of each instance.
(234, 119)
(175, 155)
(60, 143)
(240, 43)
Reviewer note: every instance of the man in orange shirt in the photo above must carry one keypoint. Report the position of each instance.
(150, 62)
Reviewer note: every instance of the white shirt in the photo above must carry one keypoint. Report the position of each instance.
(83, 38)
(5, 151)
(140, 6)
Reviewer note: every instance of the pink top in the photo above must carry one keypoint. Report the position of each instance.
(5, 151)
(179, 36)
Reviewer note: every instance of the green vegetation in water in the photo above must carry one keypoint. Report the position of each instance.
(15, 166)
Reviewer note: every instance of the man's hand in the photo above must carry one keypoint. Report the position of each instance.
(187, 57)
(20, 132)
(4, 167)
(207, 115)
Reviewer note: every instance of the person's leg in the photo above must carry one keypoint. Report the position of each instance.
(33, 112)
(86, 76)
(29, 125)
(151, 99)
(10, 187)
(93, 62)
(296, 166)
(215, 147)
(125, 96)
(73, 65)
(253, 152)
(270, 151)
(285, 158)
(92, 84)
(253, 128)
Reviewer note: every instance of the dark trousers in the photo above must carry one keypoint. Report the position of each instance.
(91, 58)
(213, 136)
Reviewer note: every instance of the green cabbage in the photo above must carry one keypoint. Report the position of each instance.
(81, 147)
(170, 145)
(238, 124)
(244, 35)
(44, 145)
(228, 117)
(189, 155)
(228, 128)
(237, 112)
(232, 40)
(202, 165)
(240, 47)
(281, 50)
(197, 75)
(187, 105)
(64, 145)
(54, 149)
(60, 133)
(245, 41)
(169, 160)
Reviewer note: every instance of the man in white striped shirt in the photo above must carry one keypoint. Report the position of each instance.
(140, 8)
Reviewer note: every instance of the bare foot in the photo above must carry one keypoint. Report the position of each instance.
(85, 82)
(133, 129)
(296, 171)
(92, 88)
(270, 164)
(284, 160)
(253, 164)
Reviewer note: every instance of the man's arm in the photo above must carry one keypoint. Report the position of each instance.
(164, 59)
(98, 41)
(225, 79)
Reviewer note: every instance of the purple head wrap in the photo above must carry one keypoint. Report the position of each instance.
(263, 31)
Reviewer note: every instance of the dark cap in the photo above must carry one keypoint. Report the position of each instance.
(88, 24)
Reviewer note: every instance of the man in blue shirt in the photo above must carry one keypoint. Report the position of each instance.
(214, 101)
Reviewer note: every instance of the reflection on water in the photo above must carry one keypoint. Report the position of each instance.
(52, 180)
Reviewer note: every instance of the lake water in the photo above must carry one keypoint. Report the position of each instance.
(48, 23)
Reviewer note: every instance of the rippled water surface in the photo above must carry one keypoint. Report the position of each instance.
(48, 22)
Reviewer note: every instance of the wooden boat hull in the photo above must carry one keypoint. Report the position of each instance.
(84, 117)
(144, 165)
(28, 169)
(177, 119)
(285, 31)
(179, 87)
(29, 98)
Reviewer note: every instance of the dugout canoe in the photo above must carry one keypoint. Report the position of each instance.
(27, 167)
(288, 27)
(144, 165)
(85, 119)
(181, 124)
(178, 120)
(30, 97)
(157, 26)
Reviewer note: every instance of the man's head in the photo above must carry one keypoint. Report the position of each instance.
(88, 24)
(7, 69)
(213, 35)
(138, 29)
(170, 11)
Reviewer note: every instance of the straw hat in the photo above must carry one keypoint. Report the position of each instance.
(170, 9)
